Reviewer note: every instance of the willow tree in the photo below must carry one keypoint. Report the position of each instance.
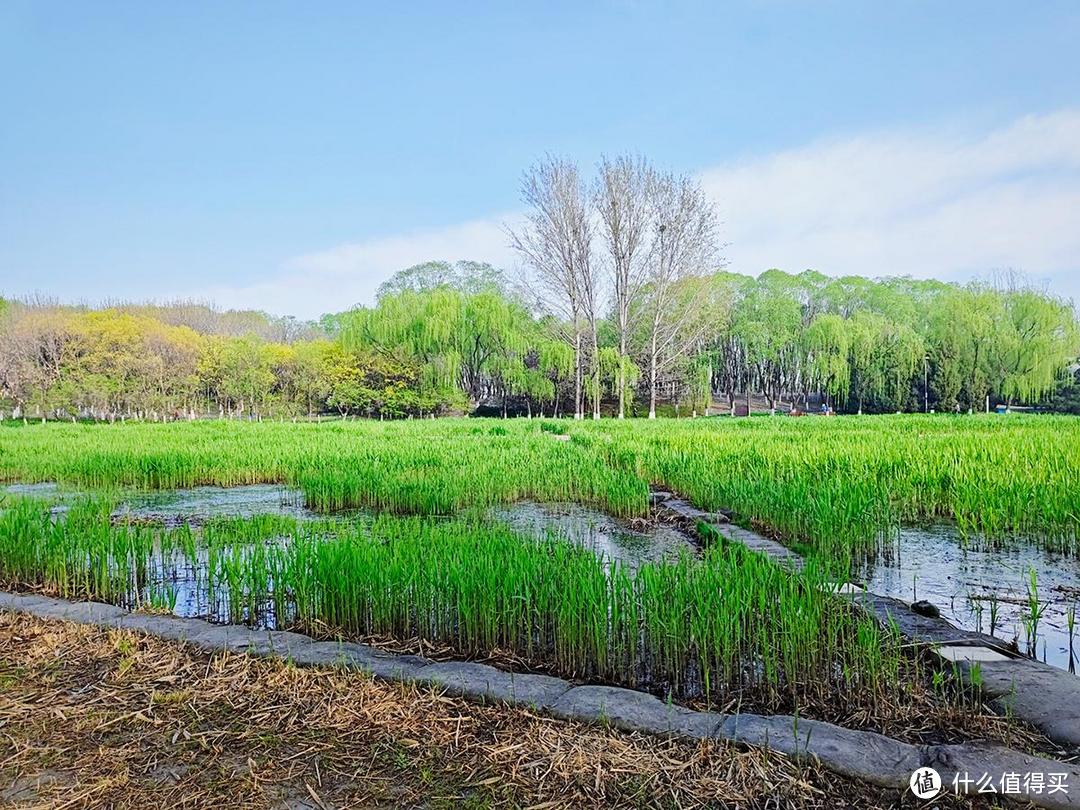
(553, 363)
(1034, 342)
(420, 326)
(699, 383)
(476, 343)
(981, 313)
(768, 323)
(885, 355)
(827, 346)
(728, 348)
(957, 334)
(618, 376)
(622, 375)
(496, 334)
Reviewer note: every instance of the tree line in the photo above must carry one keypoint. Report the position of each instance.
(187, 360)
(620, 305)
(626, 263)
(444, 338)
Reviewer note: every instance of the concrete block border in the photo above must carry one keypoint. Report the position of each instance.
(864, 755)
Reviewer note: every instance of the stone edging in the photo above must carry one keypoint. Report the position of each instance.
(862, 755)
(1044, 696)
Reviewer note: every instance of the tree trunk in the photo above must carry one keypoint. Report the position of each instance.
(622, 372)
(652, 377)
(596, 372)
(709, 393)
(578, 409)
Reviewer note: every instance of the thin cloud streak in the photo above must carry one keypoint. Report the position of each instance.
(340, 277)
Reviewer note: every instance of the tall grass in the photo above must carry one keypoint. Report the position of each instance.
(835, 484)
(730, 626)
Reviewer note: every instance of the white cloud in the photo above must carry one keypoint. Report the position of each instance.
(335, 279)
(928, 204)
(942, 204)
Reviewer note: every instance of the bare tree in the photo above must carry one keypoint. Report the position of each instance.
(14, 359)
(684, 254)
(36, 341)
(621, 197)
(555, 243)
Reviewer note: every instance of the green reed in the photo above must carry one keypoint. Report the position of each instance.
(731, 623)
(837, 485)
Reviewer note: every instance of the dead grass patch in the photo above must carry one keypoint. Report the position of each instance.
(96, 718)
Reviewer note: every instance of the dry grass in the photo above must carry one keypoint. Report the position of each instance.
(95, 718)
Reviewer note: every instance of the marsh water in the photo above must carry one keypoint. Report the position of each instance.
(608, 537)
(41, 489)
(203, 503)
(994, 590)
(175, 506)
(612, 539)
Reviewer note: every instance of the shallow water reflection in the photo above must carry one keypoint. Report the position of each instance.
(203, 503)
(43, 489)
(606, 536)
(986, 590)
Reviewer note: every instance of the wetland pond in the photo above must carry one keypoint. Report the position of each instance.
(199, 504)
(1014, 592)
(608, 537)
(993, 590)
(612, 538)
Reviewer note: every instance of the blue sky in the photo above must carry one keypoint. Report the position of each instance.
(290, 156)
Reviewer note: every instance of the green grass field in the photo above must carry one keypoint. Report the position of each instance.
(832, 484)
(726, 627)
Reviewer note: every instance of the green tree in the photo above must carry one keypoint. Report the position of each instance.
(885, 356)
(827, 344)
(1033, 343)
(768, 322)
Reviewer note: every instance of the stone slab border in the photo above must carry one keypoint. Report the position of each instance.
(864, 755)
(1044, 696)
